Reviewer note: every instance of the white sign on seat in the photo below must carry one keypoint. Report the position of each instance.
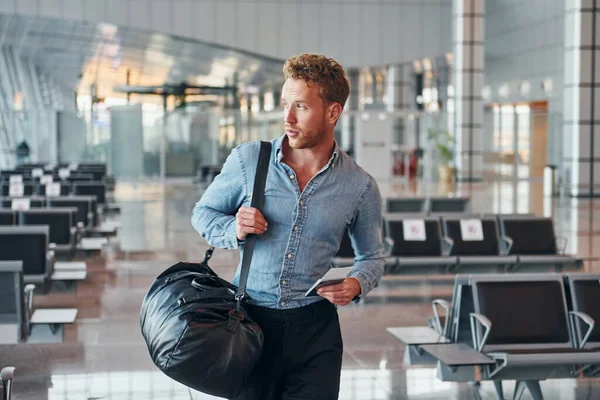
(93, 243)
(73, 166)
(20, 204)
(64, 173)
(44, 180)
(49, 167)
(16, 179)
(37, 172)
(414, 230)
(53, 189)
(471, 230)
(16, 190)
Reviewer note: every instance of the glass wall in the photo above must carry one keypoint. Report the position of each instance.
(518, 149)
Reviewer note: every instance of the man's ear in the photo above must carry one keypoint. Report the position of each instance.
(334, 110)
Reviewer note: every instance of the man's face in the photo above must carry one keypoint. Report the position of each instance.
(304, 114)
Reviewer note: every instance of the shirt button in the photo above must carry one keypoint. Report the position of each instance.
(290, 255)
(296, 228)
(284, 282)
(301, 202)
(291, 176)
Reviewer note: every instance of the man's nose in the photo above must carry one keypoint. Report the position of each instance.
(289, 116)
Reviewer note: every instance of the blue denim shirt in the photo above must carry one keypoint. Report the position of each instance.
(305, 228)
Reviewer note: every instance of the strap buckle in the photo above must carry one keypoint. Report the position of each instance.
(208, 254)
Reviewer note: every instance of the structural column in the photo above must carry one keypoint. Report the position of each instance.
(468, 38)
(581, 107)
(400, 94)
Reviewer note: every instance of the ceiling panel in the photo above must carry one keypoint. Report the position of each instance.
(78, 54)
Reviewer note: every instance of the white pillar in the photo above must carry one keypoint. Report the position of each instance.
(399, 90)
(581, 107)
(468, 20)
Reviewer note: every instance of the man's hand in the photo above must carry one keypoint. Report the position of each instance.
(342, 293)
(249, 220)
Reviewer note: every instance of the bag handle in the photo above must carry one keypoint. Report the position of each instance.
(258, 199)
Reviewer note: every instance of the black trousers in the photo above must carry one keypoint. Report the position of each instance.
(302, 354)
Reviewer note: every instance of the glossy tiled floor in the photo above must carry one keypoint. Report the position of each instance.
(104, 357)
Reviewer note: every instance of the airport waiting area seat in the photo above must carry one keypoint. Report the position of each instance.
(427, 205)
(522, 327)
(30, 244)
(533, 241)
(418, 246)
(18, 321)
(406, 205)
(63, 230)
(481, 249)
(8, 217)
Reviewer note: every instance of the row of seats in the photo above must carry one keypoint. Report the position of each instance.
(33, 232)
(96, 170)
(88, 213)
(467, 244)
(426, 205)
(25, 189)
(64, 231)
(525, 327)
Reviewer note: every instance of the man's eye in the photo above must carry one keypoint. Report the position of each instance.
(300, 107)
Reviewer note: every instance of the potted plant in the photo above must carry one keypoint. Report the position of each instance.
(444, 144)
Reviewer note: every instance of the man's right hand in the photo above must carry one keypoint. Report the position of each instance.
(249, 220)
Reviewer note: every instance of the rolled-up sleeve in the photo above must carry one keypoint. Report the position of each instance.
(366, 236)
(214, 215)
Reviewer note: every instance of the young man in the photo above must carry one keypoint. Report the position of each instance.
(314, 191)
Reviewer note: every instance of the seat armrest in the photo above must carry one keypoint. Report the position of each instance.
(486, 323)
(50, 260)
(506, 244)
(29, 297)
(80, 232)
(90, 216)
(28, 291)
(561, 245)
(388, 245)
(585, 318)
(447, 245)
(100, 212)
(6, 375)
(74, 234)
(446, 306)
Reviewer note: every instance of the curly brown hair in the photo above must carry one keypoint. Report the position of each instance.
(325, 72)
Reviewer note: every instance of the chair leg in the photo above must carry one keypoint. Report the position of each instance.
(519, 389)
(532, 386)
(499, 389)
(535, 390)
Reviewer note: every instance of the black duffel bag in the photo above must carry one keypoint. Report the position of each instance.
(194, 322)
(195, 332)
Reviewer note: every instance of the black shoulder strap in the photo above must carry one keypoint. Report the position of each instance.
(258, 199)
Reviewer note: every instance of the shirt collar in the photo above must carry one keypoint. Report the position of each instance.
(279, 152)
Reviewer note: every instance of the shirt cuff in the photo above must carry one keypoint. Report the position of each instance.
(231, 235)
